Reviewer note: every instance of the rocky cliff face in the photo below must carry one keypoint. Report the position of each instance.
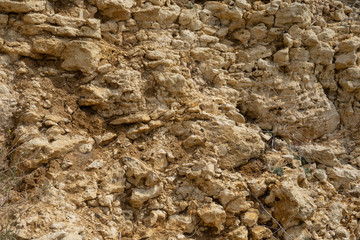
(157, 119)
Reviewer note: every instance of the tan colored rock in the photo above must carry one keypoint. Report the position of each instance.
(18, 48)
(282, 57)
(295, 13)
(322, 55)
(310, 39)
(116, 9)
(259, 32)
(193, 141)
(183, 222)
(35, 18)
(213, 215)
(154, 217)
(22, 7)
(250, 217)
(257, 186)
(50, 46)
(240, 233)
(345, 60)
(242, 35)
(299, 54)
(136, 171)
(320, 154)
(131, 119)
(343, 176)
(187, 16)
(349, 45)
(3, 19)
(81, 55)
(291, 203)
(140, 196)
(260, 232)
(222, 11)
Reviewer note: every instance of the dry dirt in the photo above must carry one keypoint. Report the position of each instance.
(160, 119)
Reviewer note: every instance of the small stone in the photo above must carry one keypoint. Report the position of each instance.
(240, 233)
(260, 232)
(213, 215)
(97, 164)
(251, 217)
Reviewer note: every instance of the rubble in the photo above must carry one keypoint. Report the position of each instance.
(180, 120)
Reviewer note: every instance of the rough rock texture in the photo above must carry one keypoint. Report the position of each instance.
(157, 119)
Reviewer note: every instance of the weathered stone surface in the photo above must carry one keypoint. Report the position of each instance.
(213, 215)
(260, 232)
(240, 233)
(295, 13)
(21, 7)
(81, 56)
(116, 9)
(52, 46)
(139, 196)
(292, 203)
(320, 154)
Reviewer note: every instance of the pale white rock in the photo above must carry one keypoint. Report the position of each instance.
(97, 164)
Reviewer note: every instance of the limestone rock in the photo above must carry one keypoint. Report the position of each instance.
(247, 142)
(22, 7)
(131, 119)
(291, 203)
(320, 154)
(183, 222)
(81, 56)
(257, 186)
(250, 217)
(294, 13)
(139, 196)
(213, 215)
(240, 233)
(345, 60)
(116, 9)
(260, 232)
(343, 176)
(52, 46)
